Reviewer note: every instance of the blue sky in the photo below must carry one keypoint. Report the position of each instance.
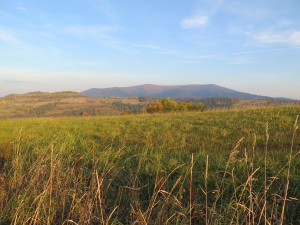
(250, 45)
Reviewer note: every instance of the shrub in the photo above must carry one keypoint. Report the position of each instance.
(169, 105)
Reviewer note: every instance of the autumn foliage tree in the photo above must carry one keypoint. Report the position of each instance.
(169, 105)
(84, 114)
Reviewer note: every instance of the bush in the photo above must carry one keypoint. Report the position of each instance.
(168, 105)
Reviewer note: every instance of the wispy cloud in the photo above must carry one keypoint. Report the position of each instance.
(219, 55)
(21, 8)
(168, 52)
(194, 22)
(7, 37)
(285, 23)
(97, 31)
(240, 61)
(17, 42)
(3, 13)
(149, 46)
(12, 81)
(247, 11)
(192, 61)
(100, 34)
(89, 62)
(292, 37)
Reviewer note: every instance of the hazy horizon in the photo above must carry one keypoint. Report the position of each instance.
(251, 47)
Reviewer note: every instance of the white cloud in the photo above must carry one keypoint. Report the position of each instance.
(197, 21)
(292, 38)
(295, 38)
(269, 38)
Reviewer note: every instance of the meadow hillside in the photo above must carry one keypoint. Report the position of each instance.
(43, 104)
(238, 166)
(67, 104)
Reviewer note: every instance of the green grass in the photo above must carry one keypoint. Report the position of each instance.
(188, 168)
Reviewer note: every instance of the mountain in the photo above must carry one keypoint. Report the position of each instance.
(175, 91)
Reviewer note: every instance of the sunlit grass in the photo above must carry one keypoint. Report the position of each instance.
(185, 168)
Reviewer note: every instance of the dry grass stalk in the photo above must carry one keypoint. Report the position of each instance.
(251, 218)
(191, 189)
(51, 186)
(99, 184)
(206, 193)
(288, 171)
(265, 173)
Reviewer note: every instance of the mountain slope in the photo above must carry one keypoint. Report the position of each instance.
(175, 91)
(42, 104)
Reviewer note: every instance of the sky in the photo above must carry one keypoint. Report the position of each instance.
(58, 45)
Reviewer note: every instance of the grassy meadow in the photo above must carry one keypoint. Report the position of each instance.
(239, 166)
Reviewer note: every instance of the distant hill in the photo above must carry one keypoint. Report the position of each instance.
(175, 91)
(43, 104)
(61, 104)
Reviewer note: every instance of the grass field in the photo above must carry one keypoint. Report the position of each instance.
(214, 167)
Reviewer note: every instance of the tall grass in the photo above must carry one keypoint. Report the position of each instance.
(222, 167)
